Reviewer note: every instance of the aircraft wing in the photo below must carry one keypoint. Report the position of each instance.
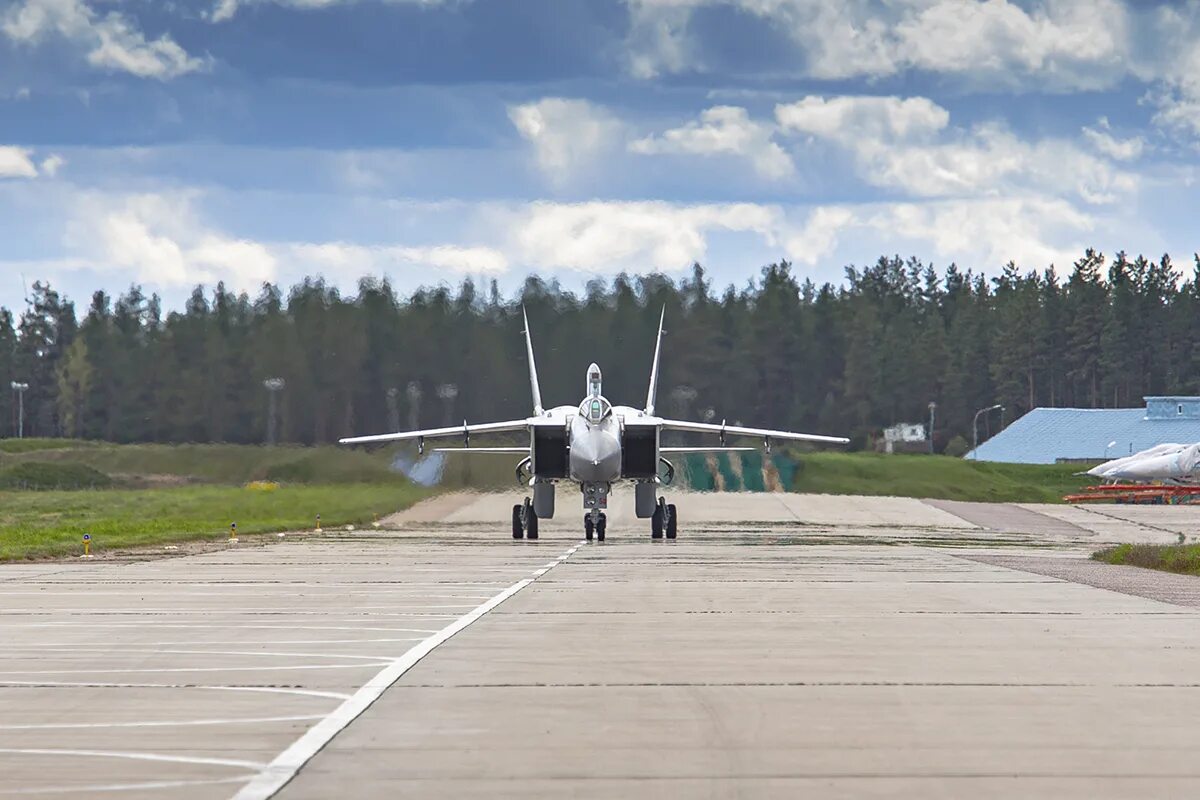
(724, 430)
(463, 430)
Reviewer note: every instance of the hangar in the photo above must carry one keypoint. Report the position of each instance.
(1050, 435)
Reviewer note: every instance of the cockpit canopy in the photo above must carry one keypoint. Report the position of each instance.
(593, 381)
(595, 409)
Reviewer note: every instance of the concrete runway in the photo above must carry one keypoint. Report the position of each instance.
(785, 646)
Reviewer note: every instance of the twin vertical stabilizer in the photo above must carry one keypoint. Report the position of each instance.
(652, 394)
(533, 378)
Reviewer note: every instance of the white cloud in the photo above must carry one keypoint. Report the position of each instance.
(857, 118)
(818, 237)
(637, 236)
(723, 130)
(1117, 149)
(566, 134)
(113, 41)
(907, 145)
(15, 162)
(1062, 43)
(225, 10)
(1035, 232)
(1175, 32)
(348, 257)
(161, 240)
(52, 164)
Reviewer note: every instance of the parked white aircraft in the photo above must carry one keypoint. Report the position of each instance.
(1172, 463)
(595, 444)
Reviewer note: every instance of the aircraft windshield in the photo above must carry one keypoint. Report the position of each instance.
(595, 409)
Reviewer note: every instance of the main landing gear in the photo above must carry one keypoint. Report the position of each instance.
(664, 521)
(524, 521)
(595, 523)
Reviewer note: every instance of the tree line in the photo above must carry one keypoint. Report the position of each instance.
(780, 351)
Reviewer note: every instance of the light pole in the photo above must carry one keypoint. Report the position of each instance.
(1111, 444)
(975, 427)
(273, 386)
(20, 389)
(932, 409)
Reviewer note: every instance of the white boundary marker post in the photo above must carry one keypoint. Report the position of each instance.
(284, 767)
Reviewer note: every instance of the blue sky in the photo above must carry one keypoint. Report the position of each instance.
(170, 143)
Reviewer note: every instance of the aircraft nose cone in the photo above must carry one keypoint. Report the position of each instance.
(597, 455)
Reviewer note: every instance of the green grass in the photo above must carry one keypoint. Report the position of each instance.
(940, 477)
(47, 524)
(33, 445)
(223, 463)
(1181, 558)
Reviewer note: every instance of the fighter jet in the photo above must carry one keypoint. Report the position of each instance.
(1166, 463)
(595, 445)
(1116, 464)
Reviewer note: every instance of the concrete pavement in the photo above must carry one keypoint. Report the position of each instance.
(785, 646)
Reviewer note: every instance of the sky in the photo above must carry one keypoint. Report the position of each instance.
(170, 143)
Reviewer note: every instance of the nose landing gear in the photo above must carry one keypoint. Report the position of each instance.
(595, 522)
(665, 520)
(524, 521)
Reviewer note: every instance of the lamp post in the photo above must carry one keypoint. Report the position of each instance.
(273, 386)
(932, 410)
(975, 427)
(1111, 444)
(20, 389)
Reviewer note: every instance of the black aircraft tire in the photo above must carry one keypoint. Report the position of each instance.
(672, 522)
(517, 528)
(656, 523)
(588, 530)
(532, 528)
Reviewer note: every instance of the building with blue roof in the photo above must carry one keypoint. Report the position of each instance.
(1049, 435)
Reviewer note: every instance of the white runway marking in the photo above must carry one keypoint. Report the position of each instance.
(100, 648)
(285, 766)
(122, 670)
(157, 724)
(119, 787)
(93, 685)
(189, 626)
(212, 762)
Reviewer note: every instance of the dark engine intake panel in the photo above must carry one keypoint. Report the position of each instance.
(549, 451)
(639, 451)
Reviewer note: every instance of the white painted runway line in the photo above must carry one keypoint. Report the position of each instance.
(285, 766)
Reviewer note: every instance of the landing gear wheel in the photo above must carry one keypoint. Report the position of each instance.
(601, 526)
(672, 522)
(531, 521)
(656, 523)
(518, 527)
(588, 529)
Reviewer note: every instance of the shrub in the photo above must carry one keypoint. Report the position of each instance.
(43, 476)
(957, 447)
(323, 468)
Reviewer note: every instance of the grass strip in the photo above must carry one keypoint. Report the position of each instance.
(49, 524)
(1183, 559)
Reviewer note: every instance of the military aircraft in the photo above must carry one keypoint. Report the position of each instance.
(1167, 463)
(595, 445)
